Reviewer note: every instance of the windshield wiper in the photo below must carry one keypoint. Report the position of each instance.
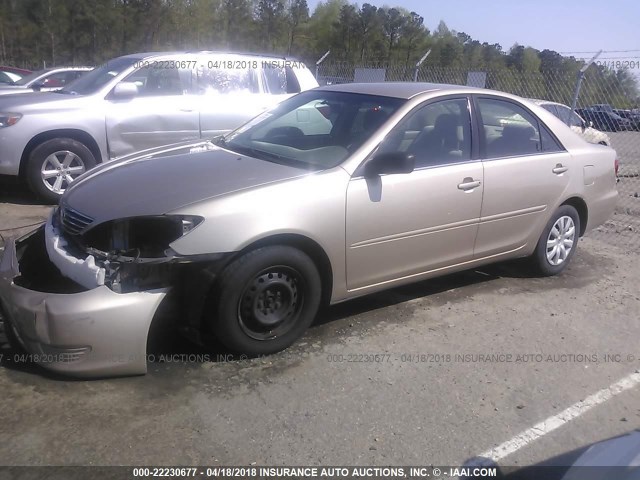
(270, 157)
(254, 152)
(220, 141)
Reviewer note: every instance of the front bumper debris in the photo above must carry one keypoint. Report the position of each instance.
(85, 272)
(80, 331)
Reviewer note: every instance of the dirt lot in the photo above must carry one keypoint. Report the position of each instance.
(427, 398)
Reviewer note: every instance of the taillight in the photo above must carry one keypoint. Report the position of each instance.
(616, 166)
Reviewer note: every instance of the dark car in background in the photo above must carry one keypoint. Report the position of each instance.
(603, 120)
(634, 118)
(12, 74)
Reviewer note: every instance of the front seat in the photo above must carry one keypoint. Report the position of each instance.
(443, 142)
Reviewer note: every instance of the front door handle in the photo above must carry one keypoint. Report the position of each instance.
(468, 184)
(559, 169)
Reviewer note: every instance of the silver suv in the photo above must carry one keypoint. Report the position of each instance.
(133, 103)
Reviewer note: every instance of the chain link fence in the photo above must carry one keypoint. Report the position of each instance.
(606, 100)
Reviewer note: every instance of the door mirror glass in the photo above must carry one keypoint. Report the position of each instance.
(125, 90)
(389, 163)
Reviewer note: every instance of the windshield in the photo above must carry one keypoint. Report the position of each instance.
(30, 78)
(97, 78)
(314, 130)
(8, 77)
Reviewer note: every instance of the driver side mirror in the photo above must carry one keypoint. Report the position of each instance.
(125, 90)
(390, 163)
(37, 86)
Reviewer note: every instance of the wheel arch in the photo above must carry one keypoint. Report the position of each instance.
(583, 211)
(75, 134)
(310, 247)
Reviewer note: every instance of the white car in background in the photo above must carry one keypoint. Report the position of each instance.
(47, 80)
(576, 122)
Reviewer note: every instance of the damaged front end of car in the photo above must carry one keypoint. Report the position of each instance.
(127, 255)
(81, 297)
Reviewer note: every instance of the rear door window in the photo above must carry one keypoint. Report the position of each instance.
(508, 129)
(218, 76)
(275, 78)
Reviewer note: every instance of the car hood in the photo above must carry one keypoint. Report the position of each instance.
(157, 184)
(26, 100)
(14, 89)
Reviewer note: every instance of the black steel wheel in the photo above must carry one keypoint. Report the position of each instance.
(271, 303)
(265, 300)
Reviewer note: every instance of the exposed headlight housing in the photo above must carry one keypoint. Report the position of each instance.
(8, 119)
(145, 237)
(189, 223)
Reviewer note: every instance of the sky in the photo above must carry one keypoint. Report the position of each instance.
(566, 26)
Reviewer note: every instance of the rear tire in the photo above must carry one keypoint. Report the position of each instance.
(53, 164)
(558, 242)
(265, 300)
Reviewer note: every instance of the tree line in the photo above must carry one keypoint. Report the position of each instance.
(34, 33)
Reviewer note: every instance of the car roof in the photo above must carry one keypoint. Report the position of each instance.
(61, 68)
(404, 90)
(23, 71)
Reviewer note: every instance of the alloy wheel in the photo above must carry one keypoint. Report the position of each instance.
(560, 240)
(59, 169)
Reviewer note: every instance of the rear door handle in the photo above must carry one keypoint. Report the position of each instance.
(559, 169)
(468, 184)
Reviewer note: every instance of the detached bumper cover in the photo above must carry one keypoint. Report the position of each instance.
(96, 332)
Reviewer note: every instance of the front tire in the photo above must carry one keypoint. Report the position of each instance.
(558, 242)
(265, 300)
(10, 335)
(54, 164)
